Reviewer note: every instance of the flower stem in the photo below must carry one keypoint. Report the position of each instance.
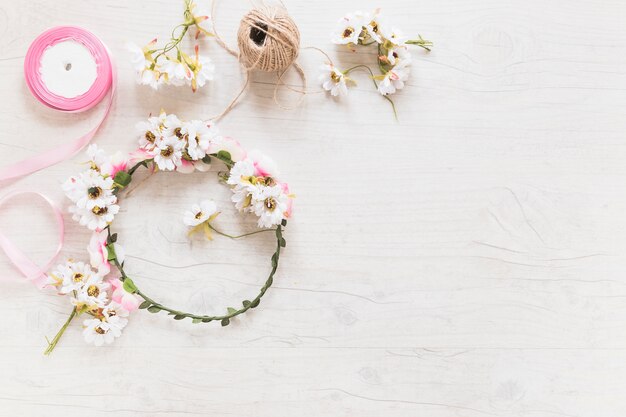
(421, 42)
(393, 106)
(239, 236)
(52, 344)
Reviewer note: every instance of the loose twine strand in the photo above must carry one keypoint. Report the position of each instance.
(277, 52)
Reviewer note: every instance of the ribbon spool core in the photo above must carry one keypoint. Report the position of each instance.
(68, 69)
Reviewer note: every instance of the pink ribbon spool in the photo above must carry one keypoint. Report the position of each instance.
(104, 84)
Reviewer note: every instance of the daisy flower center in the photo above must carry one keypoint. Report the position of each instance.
(99, 211)
(93, 291)
(336, 77)
(167, 152)
(347, 32)
(99, 330)
(178, 133)
(198, 215)
(78, 277)
(150, 137)
(269, 181)
(112, 313)
(94, 192)
(374, 25)
(270, 203)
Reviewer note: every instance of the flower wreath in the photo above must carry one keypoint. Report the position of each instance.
(166, 144)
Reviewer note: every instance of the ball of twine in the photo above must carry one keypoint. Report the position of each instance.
(268, 39)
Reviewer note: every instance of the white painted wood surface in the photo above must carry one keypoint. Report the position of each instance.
(466, 261)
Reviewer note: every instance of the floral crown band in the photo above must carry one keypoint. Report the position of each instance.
(100, 288)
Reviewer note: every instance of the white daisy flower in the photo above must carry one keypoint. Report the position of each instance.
(98, 159)
(398, 54)
(373, 26)
(333, 80)
(242, 197)
(349, 29)
(149, 132)
(98, 332)
(240, 172)
(168, 153)
(74, 188)
(204, 70)
(97, 190)
(200, 213)
(394, 79)
(137, 57)
(116, 316)
(70, 276)
(177, 72)
(97, 218)
(392, 35)
(171, 125)
(198, 138)
(152, 77)
(93, 292)
(270, 204)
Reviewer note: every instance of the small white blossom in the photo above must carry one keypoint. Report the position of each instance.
(96, 218)
(168, 153)
(137, 57)
(70, 276)
(373, 26)
(177, 72)
(152, 77)
(198, 138)
(394, 79)
(240, 172)
(399, 54)
(149, 132)
(270, 204)
(333, 80)
(92, 293)
(204, 70)
(349, 29)
(200, 213)
(91, 190)
(98, 332)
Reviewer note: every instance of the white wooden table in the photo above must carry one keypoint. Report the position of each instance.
(466, 261)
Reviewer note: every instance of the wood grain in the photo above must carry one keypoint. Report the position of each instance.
(465, 261)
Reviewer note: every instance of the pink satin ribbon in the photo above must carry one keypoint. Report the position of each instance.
(105, 83)
(103, 86)
(27, 267)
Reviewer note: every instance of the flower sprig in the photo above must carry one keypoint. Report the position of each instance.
(393, 57)
(169, 64)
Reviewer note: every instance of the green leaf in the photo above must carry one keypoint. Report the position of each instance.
(246, 303)
(122, 178)
(113, 238)
(224, 156)
(282, 242)
(196, 321)
(145, 304)
(111, 253)
(255, 303)
(207, 320)
(231, 310)
(274, 260)
(284, 222)
(129, 286)
(225, 322)
(206, 159)
(154, 309)
(179, 316)
(269, 281)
